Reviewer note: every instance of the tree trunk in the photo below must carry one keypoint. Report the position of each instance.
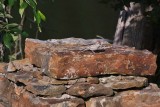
(134, 29)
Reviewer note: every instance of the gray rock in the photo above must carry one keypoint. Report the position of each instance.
(93, 80)
(46, 90)
(27, 99)
(23, 77)
(148, 97)
(86, 90)
(124, 82)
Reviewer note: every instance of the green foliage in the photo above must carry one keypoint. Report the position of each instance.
(13, 32)
(22, 6)
(7, 39)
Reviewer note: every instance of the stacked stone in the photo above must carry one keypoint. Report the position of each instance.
(75, 72)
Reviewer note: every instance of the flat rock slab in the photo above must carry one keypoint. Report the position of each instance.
(87, 90)
(22, 77)
(46, 90)
(23, 65)
(124, 82)
(69, 61)
(28, 100)
(28, 78)
(148, 97)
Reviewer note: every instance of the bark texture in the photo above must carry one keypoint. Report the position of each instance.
(134, 29)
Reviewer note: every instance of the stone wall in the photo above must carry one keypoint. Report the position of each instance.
(75, 72)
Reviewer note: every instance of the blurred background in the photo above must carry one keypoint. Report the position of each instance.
(73, 18)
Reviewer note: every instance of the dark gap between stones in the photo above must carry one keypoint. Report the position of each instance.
(128, 89)
(20, 84)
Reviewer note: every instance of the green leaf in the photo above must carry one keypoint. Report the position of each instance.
(1, 15)
(16, 30)
(7, 40)
(15, 38)
(31, 3)
(8, 16)
(23, 6)
(35, 1)
(11, 2)
(1, 7)
(42, 16)
(11, 25)
(37, 17)
(24, 34)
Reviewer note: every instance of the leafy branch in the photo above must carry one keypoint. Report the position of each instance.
(13, 32)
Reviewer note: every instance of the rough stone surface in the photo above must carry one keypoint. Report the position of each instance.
(46, 90)
(47, 80)
(75, 102)
(124, 82)
(58, 44)
(86, 90)
(4, 102)
(23, 64)
(148, 97)
(28, 100)
(22, 77)
(74, 81)
(74, 72)
(3, 67)
(6, 96)
(93, 80)
(64, 63)
(36, 77)
(4, 83)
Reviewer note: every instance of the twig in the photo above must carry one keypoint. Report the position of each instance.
(20, 36)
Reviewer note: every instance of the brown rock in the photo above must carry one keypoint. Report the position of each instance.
(71, 82)
(11, 67)
(2, 105)
(62, 62)
(86, 90)
(74, 81)
(20, 76)
(4, 102)
(37, 74)
(46, 90)
(23, 64)
(148, 97)
(4, 83)
(81, 80)
(32, 44)
(6, 96)
(57, 44)
(28, 100)
(46, 80)
(104, 102)
(49, 81)
(93, 80)
(124, 82)
(3, 67)
(28, 78)
(18, 89)
(75, 102)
